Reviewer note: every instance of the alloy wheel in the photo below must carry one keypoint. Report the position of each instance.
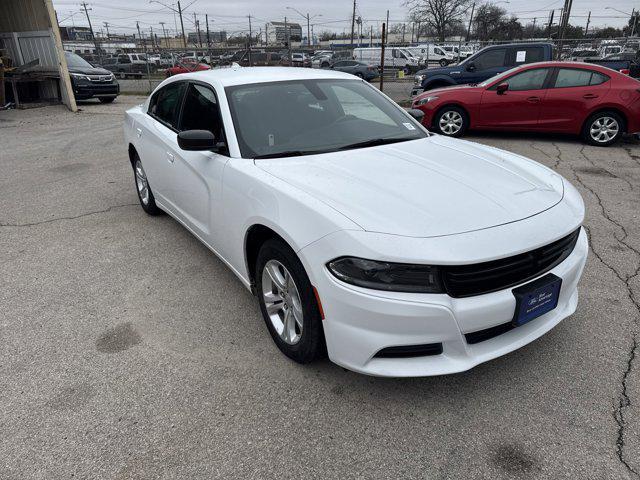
(141, 183)
(450, 122)
(282, 302)
(604, 129)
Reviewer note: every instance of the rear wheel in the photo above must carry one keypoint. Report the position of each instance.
(107, 99)
(145, 195)
(451, 121)
(288, 302)
(603, 129)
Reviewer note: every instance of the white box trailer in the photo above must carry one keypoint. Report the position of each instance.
(394, 57)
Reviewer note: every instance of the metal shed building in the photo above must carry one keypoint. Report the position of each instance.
(29, 32)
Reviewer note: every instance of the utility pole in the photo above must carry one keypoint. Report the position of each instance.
(286, 32)
(353, 22)
(95, 40)
(382, 42)
(550, 23)
(184, 37)
(371, 37)
(473, 9)
(634, 17)
(566, 12)
(309, 41)
(418, 33)
(250, 34)
(586, 29)
(144, 47)
(197, 24)
(404, 26)
(164, 33)
(153, 39)
(266, 34)
(106, 25)
(386, 37)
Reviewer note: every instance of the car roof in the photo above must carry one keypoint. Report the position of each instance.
(229, 76)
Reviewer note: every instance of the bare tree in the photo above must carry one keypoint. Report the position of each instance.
(440, 16)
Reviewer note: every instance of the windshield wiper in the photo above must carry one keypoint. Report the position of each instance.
(374, 142)
(288, 153)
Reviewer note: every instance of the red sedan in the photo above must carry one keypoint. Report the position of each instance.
(594, 102)
(186, 66)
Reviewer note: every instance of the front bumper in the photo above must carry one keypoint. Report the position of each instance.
(85, 91)
(360, 322)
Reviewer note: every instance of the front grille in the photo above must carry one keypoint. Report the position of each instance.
(405, 351)
(468, 280)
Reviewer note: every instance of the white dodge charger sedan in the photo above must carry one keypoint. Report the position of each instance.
(394, 251)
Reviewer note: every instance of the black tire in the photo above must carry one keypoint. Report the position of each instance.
(122, 74)
(107, 99)
(455, 112)
(604, 117)
(149, 206)
(443, 62)
(311, 344)
(324, 65)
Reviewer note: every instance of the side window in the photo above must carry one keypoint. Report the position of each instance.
(529, 80)
(438, 51)
(165, 104)
(201, 111)
(528, 55)
(574, 77)
(491, 59)
(124, 59)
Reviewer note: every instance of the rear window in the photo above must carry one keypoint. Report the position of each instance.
(573, 77)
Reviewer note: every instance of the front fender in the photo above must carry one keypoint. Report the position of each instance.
(437, 79)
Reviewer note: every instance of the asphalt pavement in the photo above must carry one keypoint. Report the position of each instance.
(129, 351)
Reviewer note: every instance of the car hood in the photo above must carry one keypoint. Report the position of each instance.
(453, 89)
(429, 72)
(90, 71)
(424, 188)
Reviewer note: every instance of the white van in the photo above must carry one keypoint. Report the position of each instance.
(393, 57)
(429, 53)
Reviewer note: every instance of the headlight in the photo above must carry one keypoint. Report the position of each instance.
(396, 277)
(424, 100)
(418, 79)
(79, 76)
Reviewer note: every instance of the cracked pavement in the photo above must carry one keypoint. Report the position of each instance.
(128, 350)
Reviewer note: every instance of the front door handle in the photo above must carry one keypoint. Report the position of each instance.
(170, 157)
(533, 99)
(589, 96)
(139, 132)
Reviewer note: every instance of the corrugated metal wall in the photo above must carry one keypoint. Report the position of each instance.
(23, 16)
(24, 47)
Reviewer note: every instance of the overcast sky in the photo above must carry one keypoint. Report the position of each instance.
(333, 15)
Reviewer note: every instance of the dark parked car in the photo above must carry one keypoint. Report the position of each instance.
(485, 64)
(91, 82)
(359, 69)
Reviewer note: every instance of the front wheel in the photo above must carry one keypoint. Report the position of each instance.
(451, 121)
(107, 99)
(288, 303)
(603, 129)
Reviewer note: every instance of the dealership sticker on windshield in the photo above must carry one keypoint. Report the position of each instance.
(409, 126)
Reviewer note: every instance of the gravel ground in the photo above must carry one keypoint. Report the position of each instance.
(128, 350)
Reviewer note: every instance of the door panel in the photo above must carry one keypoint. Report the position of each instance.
(519, 109)
(197, 176)
(566, 107)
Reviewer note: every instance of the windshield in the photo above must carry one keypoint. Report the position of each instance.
(304, 117)
(76, 61)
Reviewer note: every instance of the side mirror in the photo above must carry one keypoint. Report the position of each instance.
(502, 88)
(196, 140)
(416, 113)
(471, 67)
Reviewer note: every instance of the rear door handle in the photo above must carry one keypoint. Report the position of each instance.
(170, 157)
(589, 96)
(139, 132)
(533, 99)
